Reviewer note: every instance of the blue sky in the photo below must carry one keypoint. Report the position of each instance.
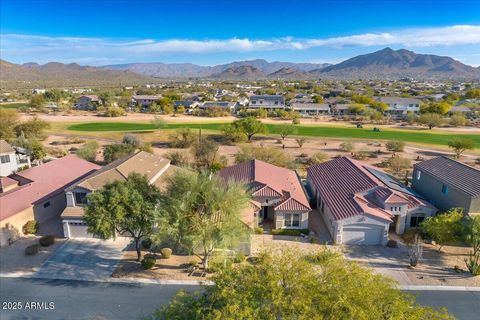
(210, 32)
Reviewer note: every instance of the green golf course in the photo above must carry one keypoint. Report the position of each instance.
(422, 137)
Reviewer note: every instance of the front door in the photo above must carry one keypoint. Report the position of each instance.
(264, 212)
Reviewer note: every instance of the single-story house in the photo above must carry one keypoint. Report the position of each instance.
(278, 196)
(11, 159)
(87, 102)
(399, 107)
(37, 193)
(466, 111)
(189, 105)
(360, 203)
(340, 109)
(267, 102)
(153, 166)
(311, 109)
(448, 183)
(144, 100)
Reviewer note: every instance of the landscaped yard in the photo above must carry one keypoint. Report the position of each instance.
(414, 136)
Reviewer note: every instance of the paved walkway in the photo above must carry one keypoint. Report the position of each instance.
(83, 259)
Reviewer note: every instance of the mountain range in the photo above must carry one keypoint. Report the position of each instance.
(383, 64)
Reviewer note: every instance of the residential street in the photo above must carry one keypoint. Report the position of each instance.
(95, 300)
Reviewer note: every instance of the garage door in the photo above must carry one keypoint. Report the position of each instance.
(78, 230)
(365, 234)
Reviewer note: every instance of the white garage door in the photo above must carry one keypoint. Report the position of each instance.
(365, 234)
(78, 230)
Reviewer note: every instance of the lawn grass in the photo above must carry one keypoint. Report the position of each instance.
(421, 137)
(14, 105)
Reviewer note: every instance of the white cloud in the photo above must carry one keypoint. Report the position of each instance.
(42, 48)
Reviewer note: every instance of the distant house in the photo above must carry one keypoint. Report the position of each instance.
(267, 102)
(447, 183)
(466, 111)
(311, 109)
(226, 105)
(399, 107)
(87, 102)
(340, 109)
(144, 101)
(189, 105)
(37, 194)
(11, 159)
(153, 166)
(38, 91)
(278, 196)
(359, 202)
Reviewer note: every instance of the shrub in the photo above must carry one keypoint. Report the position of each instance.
(113, 152)
(88, 151)
(31, 250)
(46, 241)
(347, 146)
(132, 140)
(395, 146)
(258, 230)
(392, 244)
(289, 232)
(183, 138)
(239, 258)
(148, 262)
(177, 158)
(147, 243)
(113, 112)
(166, 253)
(31, 227)
(473, 263)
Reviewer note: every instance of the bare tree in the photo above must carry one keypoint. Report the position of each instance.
(415, 251)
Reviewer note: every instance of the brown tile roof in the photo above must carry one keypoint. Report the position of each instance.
(141, 162)
(343, 184)
(73, 212)
(265, 179)
(42, 182)
(5, 147)
(454, 173)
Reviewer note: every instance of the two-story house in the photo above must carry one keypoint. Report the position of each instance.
(360, 203)
(11, 159)
(277, 193)
(87, 102)
(399, 107)
(153, 166)
(144, 101)
(268, 102)
(448, 183)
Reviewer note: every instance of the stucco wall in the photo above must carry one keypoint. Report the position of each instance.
(362, 219)
(431, 189)
(56, 207)
(9, 167)
(279, 219)
(11, 228)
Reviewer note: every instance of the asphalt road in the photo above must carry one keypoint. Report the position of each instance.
(100, 301)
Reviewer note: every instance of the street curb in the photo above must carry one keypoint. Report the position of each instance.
(437, 288)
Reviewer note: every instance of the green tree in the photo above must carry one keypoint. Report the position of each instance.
(459, 145)
(36, 101)
(8, 121)
(356, 108)
(431, 120)
(202, 213)
(113, 152)
(285, 130)
(399, 165)
(54, 95)
(123, 207)
(113, 112)
(205, 153)
(291, 286)
(436, 107)
(182, 138)
(445, 227)
(249, 127)
(105, 98)
(32, 128)
(89, 150)
(231, 133)
(317, 99)
(473, 94)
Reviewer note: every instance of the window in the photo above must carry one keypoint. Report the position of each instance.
(445, 189)
(419, 174)
(80, 198)
(46, 204)
(292, 220)
(5, 158)
(416, 220)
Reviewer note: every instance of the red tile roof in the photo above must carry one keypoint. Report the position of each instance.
(267, 180)
(42, 182)
(342, 183)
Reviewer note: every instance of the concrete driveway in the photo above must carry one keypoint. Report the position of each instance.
(84, 259)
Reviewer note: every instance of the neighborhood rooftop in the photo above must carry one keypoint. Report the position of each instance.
(455, 173)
